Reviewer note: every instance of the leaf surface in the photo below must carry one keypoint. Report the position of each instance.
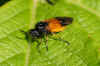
(83, 34)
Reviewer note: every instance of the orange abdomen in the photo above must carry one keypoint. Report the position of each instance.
(54, 26)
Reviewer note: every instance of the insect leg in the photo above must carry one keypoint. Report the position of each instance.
(61, 40)
(46, 42)
(38, 44)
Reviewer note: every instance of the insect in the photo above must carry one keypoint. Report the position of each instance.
(50, 2)
(48, 27)
(2, 2)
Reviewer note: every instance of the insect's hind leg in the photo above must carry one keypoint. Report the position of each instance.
(61, 40)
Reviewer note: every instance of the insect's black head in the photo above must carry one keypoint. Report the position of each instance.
(65, 20)
(41, 26)
(34, 33)
(31, 35)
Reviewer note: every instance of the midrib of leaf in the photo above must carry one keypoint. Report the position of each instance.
(85, 7)
(33, 6)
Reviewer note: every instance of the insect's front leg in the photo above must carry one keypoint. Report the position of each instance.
(39, 42)
(46, 42)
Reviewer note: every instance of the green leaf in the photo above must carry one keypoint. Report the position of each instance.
(83, 34)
